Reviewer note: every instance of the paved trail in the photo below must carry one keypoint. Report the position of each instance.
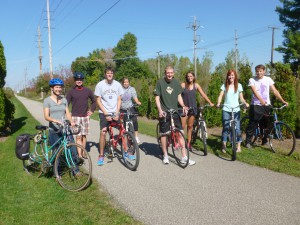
(212, 192)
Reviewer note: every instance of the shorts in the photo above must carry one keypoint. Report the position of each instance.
(84, 122)
(104, 123)
(165, 123)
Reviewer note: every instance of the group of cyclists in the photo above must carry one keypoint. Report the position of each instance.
(113, 97)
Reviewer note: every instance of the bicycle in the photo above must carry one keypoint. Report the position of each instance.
(199, 128)
(175, 139)
(280, 136)
(232, 133)
(61, 158)
(128, 114)
(126, 139)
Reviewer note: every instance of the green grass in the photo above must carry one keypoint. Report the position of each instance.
(259, 156)
(30, 200)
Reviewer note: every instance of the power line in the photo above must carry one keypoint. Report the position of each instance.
(81, 32)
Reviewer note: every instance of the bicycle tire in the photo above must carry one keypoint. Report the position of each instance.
(244, 124)
(130, 128)
(177, 149)
(282, 139)
(130, 153)
(233, 141)
(202, 136)
(194, 133)
(158, 135)
(33, 165)
(71, 174)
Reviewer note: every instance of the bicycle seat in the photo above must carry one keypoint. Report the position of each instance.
(41, 127)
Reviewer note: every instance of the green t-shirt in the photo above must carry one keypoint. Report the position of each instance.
(168, 93)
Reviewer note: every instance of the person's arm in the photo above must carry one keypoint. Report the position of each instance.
(48, 118)
(181, 103)
(93, 104)
(136, 100)
(277, 94)
(158, 105)
(220, 98)
(199, 89)
(243, 100)
(69, 117)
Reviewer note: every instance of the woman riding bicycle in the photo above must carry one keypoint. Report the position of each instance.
(233, 92)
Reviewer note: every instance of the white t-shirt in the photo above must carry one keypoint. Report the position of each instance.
(109, 94)
(262, 86)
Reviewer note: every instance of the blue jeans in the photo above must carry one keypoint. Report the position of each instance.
(226, 117)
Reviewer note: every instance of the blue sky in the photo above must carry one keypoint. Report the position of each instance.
(158, 25)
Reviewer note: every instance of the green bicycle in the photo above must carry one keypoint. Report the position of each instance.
(71, 173)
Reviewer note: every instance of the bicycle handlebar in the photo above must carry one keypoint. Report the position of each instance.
(230, 107)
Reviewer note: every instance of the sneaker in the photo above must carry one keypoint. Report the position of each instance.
(128, 156)
(100, 161)
(137, 140)
(166, 160)
(80, 161)
(223, 150)
(248, 146)
(238, 150)
(191, 162)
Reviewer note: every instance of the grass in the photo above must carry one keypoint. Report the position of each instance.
(30, 200)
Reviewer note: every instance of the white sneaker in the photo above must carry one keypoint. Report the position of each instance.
(166, 160)
(191, 162)
(137, 140)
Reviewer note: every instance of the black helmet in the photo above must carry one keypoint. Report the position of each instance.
(78, 75)
(56, 82)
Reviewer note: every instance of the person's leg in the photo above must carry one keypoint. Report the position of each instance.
(226, 116)
(190, 123)
(164, 127)
(237, 117)
(103, 126)
(136, 128)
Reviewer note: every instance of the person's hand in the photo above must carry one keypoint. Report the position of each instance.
(161, 114)
(138, 103)
(286, 103)
(247, 105)
(212, 104)
(89, 113)
(218, 105)
(73, 124)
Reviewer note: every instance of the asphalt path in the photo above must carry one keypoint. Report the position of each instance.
(212, 192)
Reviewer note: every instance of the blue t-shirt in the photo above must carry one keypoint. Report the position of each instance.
(231, 98)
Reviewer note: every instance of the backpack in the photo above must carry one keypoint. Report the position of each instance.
(23, 146)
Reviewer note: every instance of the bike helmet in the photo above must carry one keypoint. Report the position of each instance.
(56, 82)
(78, 75)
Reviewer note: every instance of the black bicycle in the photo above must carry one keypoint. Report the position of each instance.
(199, 129)
(279, 135)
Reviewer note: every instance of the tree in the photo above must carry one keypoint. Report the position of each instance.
(2, 66)
(289, 15)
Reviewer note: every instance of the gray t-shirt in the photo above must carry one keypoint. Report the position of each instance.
(57, 111)
(127, 97)
(109, 94)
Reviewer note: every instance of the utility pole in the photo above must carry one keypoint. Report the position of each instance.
(195, 27)
(40, 50)
(158, 64)
(25, 85)
(49, 39)
(236, 43)
(272, 48)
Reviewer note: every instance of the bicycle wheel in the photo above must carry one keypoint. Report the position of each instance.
(194, 133)
(33, 165)
(282, 139)
(244, 124)
(202, 136)
(158, 134)
(233, 141)
(130, 151)
(72, 174)
(179, 148)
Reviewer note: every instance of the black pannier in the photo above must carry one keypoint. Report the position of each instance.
(23, 146)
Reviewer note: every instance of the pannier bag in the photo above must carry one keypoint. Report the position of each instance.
(23, 146)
